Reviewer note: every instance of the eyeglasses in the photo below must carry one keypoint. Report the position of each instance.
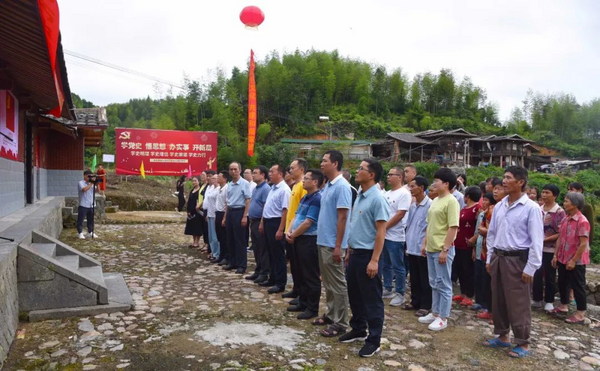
(360, 168)
(306, 179)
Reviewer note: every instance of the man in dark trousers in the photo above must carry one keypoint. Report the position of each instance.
(303, 235)
(273, 226)
(257, 204)
(236, 218)
(368, 223)
(515, 242)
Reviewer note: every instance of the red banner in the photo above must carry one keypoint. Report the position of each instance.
(251, 107)
(165, 152)
(9, 125)
(51, 22)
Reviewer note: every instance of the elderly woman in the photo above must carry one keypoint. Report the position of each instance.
(571, 255)
(193, 226)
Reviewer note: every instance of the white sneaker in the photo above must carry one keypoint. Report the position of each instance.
(398, 300)
(388, 294)
(427, 319)
(81, 236)
(92, 235)
(549, 307)
(438, 325)
(536, 304)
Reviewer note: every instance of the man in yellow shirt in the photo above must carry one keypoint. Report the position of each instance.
(297, 170)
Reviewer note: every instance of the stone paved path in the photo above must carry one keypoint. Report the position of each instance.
(191, 315)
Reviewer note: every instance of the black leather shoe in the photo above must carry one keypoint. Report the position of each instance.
(240, 271)
(275, 290)
(224, 262)
(266, 283)
(290, 294)
(296, 308)
(294, 301)
(214, 261)
(261, 279)
(252, 277)
(229, 267)
(307, 314)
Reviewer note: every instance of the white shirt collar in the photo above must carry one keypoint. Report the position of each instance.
(336, 179)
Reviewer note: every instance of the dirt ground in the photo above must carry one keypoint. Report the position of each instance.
(192, 315)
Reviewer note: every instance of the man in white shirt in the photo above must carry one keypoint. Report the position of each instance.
(394, 246)
(210, 201)
(248, 177)
(273, 227)
(220, 205)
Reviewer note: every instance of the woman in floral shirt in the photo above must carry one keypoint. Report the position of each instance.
(571, 256)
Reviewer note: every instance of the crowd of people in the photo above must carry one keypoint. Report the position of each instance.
(501, 241)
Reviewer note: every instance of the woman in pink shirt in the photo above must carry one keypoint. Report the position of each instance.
(571, 255)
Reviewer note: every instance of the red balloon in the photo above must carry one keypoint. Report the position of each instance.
(252, 16)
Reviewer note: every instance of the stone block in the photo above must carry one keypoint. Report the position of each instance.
(61, 292)
(30, 271)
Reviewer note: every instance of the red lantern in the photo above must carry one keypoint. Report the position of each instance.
(252, 16)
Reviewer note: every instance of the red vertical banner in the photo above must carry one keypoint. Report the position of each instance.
(251, 107)
(51, 23)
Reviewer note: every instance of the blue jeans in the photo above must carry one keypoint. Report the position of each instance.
(215, 247)
(392, 265)
(441, 283)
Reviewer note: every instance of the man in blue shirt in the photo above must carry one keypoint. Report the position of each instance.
(236, 218)
(303, 234)
(257, 204)
(273, 226)
(416, 227)
(365, 241)
(332, 240)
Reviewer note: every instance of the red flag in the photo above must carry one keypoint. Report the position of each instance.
(50, 21)
(251, 107)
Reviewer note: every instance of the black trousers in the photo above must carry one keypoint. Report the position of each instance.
(487, 289)
(574, 279)
(538, 280)
(236, 236)
(276, 250)
(222, 236)
(307, 260)
(181, 203)
(88, 213)
(420, 291)
(259, 247)
(365, 296)
(464, 267)
(290, 254)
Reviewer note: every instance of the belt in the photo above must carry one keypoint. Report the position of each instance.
(522, 253)
(236, 208)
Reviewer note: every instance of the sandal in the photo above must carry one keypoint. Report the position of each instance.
(496, 343)
(557, 312)
(575, 321)
(518, 352)
(408, 307)
(332, 331)
(421, 313)
(322, 321)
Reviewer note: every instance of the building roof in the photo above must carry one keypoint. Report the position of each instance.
(502, 138)
(90, 121)
(323, 141)
(24, 58)
(432, 134)
(408, 138)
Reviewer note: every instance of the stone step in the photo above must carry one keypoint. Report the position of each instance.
(111, 209)
(108, 203)
(69, 261)
(117, 289)
(48, 249)
(93, 273)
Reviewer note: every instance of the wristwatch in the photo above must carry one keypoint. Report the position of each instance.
(445, 250)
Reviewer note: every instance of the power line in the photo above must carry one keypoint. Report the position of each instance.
(123, 69)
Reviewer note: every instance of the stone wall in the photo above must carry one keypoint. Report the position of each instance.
(593, 293)
(63, 182)
(9, 301)
(12, 191)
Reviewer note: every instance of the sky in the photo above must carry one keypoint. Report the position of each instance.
(506, 47)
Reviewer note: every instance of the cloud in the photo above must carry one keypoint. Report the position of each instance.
(506, 47)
